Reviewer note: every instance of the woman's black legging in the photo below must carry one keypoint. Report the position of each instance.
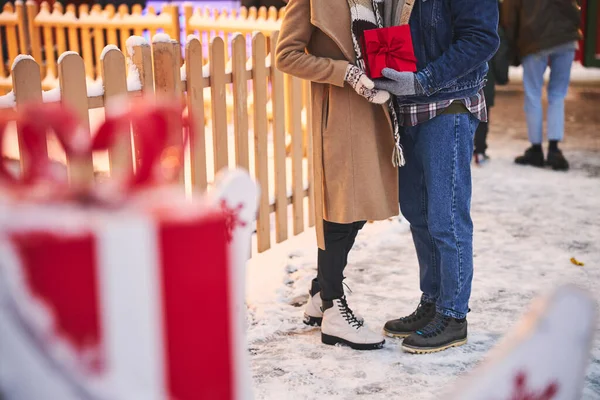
(339, 239)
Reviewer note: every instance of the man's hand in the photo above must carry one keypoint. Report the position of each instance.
(364, 86)
(399, 83)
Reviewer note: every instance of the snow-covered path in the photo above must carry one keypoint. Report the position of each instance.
(528, 224)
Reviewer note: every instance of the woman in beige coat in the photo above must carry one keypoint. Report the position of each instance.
(354, 177)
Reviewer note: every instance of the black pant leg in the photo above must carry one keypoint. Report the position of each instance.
(481, 136)
(339, 239)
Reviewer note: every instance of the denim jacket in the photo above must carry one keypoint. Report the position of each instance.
(453, 40)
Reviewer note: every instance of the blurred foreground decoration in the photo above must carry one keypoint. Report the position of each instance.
(140, 298)
(545, 357)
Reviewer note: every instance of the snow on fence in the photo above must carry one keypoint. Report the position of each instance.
(252, 141)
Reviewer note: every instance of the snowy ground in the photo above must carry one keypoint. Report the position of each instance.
(528, 224)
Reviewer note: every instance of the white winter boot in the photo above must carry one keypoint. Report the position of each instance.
(340, 325)
(313, 313)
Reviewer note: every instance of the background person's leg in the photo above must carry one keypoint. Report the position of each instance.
(560, 76)
(481, 140)
(534, 67)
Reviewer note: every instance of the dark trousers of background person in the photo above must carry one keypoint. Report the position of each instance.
(339, 239)
(481, 135)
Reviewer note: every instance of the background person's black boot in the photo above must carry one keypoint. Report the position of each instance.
(556, 160)
(533, 156)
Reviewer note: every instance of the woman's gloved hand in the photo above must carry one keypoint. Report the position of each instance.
(399, 83)
(364, 86)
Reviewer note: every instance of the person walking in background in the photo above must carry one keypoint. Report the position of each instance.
(440, 107)
(354, 177)
(543, 33)
(497, 75)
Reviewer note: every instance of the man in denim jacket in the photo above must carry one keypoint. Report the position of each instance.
(439, 108)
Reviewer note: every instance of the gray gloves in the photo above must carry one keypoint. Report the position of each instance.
(364, 86)
(399, 83)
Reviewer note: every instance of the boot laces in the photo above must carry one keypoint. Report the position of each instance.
(435, 327)
(416, 315)
(348, 314)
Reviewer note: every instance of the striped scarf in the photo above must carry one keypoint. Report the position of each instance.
(367, 14)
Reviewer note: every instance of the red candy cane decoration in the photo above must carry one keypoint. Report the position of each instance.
(151, 120)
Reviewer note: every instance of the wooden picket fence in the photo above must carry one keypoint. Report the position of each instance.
(251, 142)
(46, 32)
(207, 23)
(13, 35)
(87, 31)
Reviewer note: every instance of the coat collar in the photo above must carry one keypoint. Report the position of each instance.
(333, 18)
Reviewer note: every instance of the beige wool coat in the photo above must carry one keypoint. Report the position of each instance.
(354, 176)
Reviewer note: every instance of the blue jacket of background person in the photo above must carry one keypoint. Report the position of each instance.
(453, 41)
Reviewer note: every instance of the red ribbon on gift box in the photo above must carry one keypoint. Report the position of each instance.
(389, 48)
(150, 119)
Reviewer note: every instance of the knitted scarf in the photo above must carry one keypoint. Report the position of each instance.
(367, 14)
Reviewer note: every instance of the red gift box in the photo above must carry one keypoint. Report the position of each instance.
(389, 48)
(122, 289)
(122, 294)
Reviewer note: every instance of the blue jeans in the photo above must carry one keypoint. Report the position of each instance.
(435, 198)
(534, 66)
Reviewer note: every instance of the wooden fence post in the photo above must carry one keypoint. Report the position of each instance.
(188, 11)
(278, 101)
(27, 86)
(167, 81)
(22, 26)
(111, 30)
(218, 103)
(34, 32)
(151, 12)
(124, 31)
(73, 91)
(115, 86)
(195, 103)
(240, 101)
(50, 57)
(294, 118)
(61, 38)
(141, 58)
(73, 32)
(174, 28)
(140, 63)
(309, 154)
(86, 41)
(259, 85)
(138, 30)
(167, 78)
(98, 33)
(12, 41)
